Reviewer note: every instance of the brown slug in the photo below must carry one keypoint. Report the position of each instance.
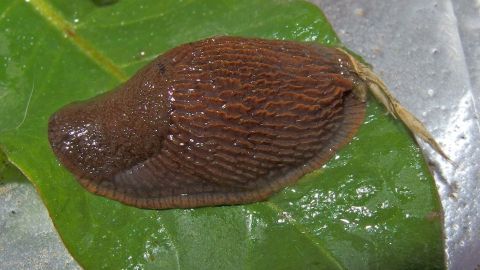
(225, 120)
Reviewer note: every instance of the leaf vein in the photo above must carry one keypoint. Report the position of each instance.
(307, 234)
(56, 19)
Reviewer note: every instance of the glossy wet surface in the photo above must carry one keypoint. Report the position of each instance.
(225, 120)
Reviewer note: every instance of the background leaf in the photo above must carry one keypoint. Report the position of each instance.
(374, 206)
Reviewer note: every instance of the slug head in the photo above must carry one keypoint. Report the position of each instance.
(100, 137)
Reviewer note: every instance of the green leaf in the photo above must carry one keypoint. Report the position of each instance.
(373, 206)
(8, 172)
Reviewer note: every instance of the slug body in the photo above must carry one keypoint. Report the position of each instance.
(225, 120)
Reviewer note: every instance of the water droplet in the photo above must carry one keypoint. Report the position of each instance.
(431, 92)
(345, 221)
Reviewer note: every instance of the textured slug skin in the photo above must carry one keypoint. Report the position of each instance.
(225, 120)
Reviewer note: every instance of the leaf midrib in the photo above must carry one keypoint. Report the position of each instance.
(56, 19)
(307, 234)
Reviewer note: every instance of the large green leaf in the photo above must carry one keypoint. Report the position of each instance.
(373, 206)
